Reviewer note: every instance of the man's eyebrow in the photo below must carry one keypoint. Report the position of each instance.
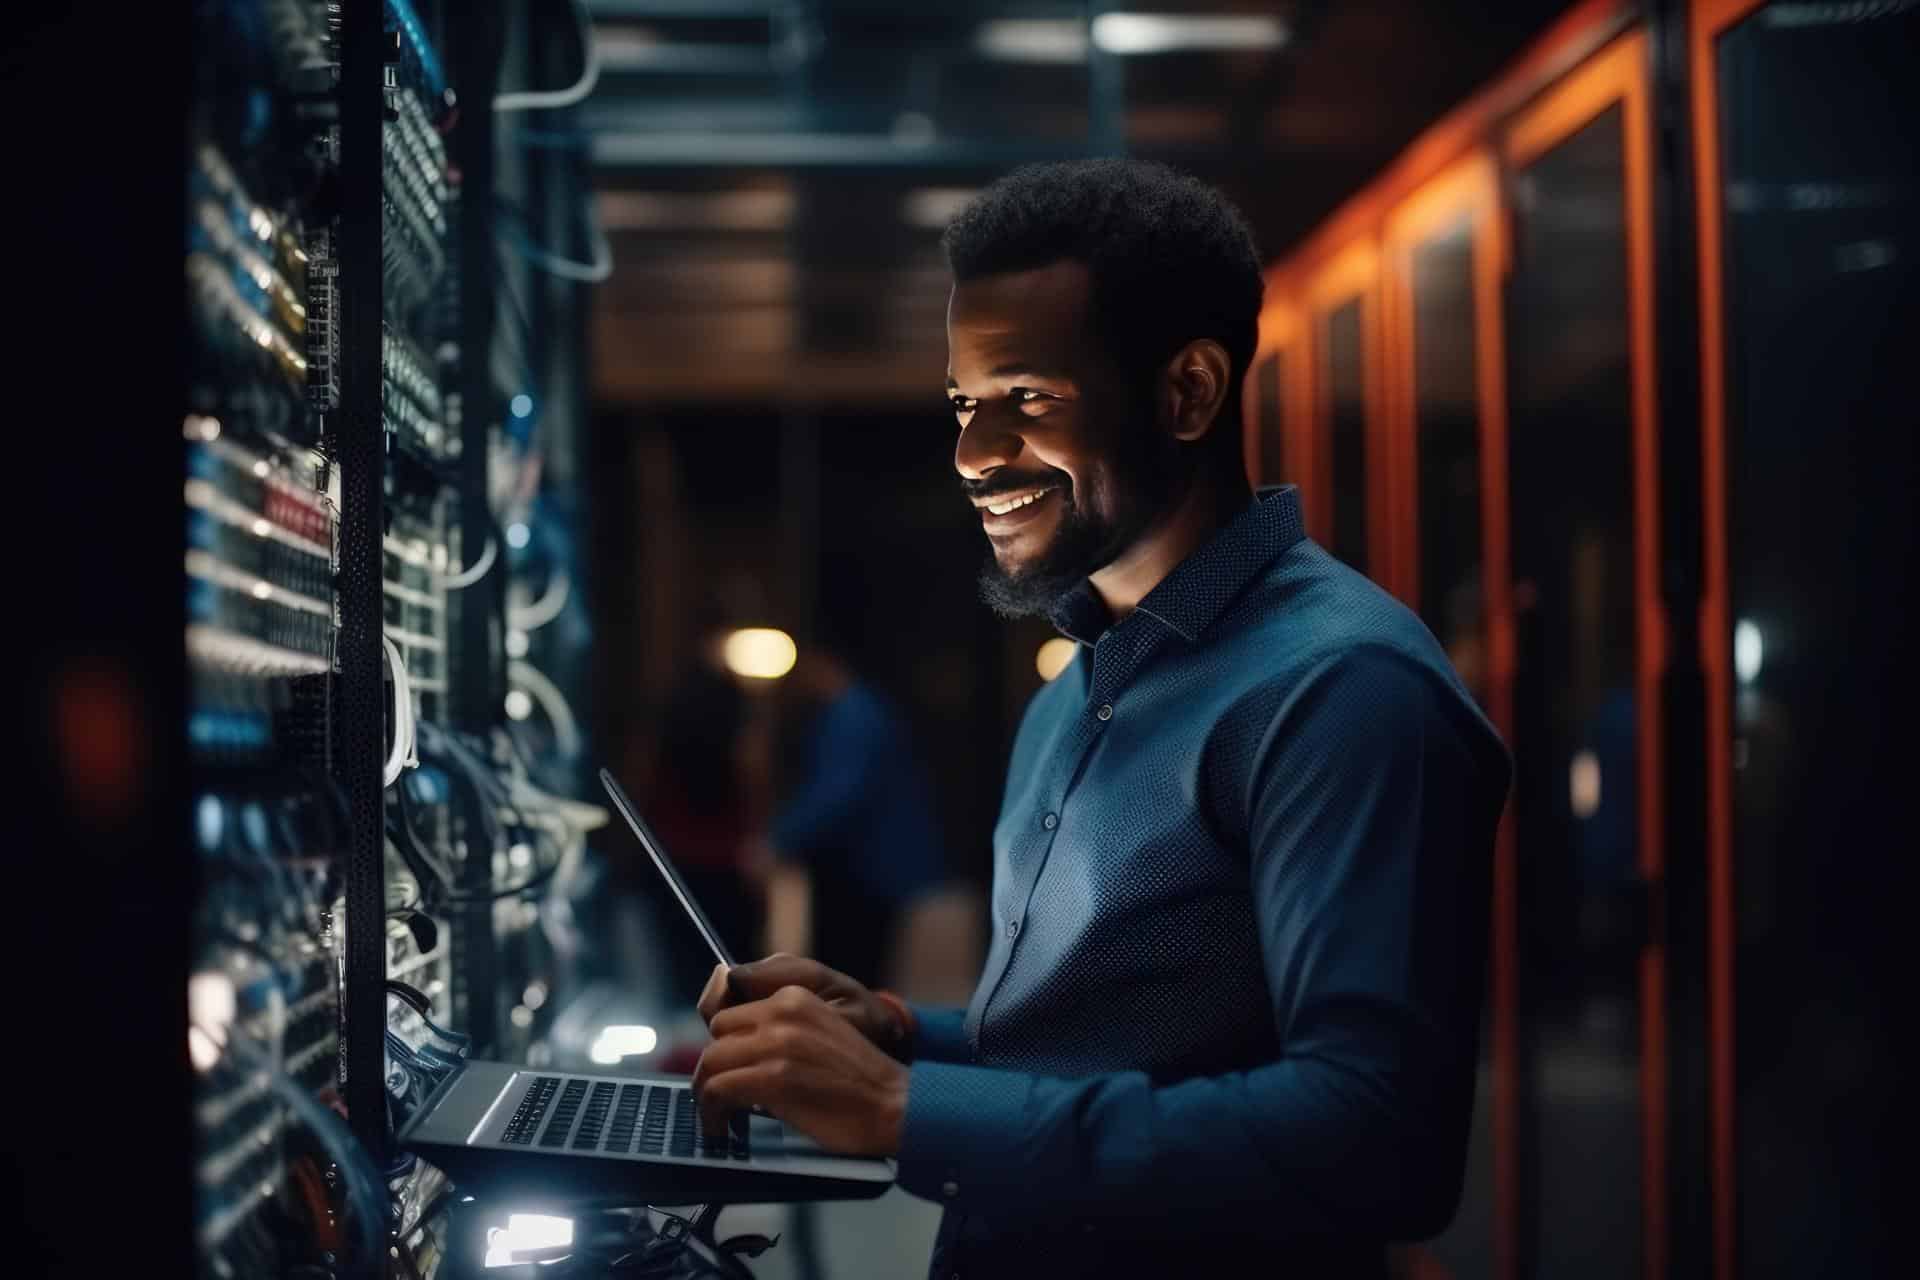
(1014, 371)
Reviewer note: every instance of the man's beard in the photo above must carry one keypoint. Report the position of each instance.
(1145, 470)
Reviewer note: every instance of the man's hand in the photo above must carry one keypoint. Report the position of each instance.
(805, 1063)
(868, 1014)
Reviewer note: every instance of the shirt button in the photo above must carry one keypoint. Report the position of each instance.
(1050, 821)
(949, 1189)
(1106, 711)
(1013, 928)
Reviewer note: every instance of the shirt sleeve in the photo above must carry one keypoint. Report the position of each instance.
(1370, 827)
(940, 1034)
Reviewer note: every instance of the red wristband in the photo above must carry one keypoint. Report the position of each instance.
(905, 1026)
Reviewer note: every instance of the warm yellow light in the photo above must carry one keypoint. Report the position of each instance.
(760, 653)
(1054, 656)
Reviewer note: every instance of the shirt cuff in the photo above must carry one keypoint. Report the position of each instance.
(965, 1127)
(940, 1034)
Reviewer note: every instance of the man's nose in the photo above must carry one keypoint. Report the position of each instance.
(984, 448)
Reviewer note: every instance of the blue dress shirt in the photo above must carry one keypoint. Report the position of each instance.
(1239, 913)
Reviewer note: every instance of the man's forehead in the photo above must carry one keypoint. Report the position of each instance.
(1019, 319)
(1056, 291)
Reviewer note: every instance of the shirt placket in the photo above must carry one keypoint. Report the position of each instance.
(1117, 655)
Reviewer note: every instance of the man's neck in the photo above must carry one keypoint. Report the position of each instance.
(1206, 506)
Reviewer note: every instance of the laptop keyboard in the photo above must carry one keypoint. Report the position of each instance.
(616, 1119)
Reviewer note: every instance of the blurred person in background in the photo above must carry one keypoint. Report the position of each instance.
(855, 847)
(1241, 875)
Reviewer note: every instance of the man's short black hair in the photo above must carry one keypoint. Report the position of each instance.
(1171, 260)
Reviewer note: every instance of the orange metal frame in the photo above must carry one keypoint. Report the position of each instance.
(1470, 192)
(1352, 274)
(1619, 75)
(1708, 20)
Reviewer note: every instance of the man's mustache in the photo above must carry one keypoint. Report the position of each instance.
(1000, 483)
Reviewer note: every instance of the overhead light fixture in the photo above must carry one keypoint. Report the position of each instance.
(1130, 34)
(760, 653)
(1033, 40)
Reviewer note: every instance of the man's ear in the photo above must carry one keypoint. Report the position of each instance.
(1193, 388)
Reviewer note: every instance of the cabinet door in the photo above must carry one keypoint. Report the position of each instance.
(1587, 812)
(1447, 446)
(1810, 199)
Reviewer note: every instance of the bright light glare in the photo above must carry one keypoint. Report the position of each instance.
(524, 1232)
(519, 705)
(1033, 40)
(615, 1043)
(522, 405)
(1583, 785)
(211, 1006)
(1144, 33)
(1747, 651)
(516, 643)
(760, 653)
(1054, 656)
(518, 535)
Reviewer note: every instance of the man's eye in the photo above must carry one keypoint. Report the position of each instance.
(962, 407)
(1026, 395)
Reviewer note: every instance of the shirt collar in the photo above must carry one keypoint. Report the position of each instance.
(1189, 599)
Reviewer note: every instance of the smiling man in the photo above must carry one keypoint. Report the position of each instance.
(1232, 1001)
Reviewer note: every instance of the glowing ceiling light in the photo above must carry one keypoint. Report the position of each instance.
(517, 643)
(615, 1043)
(522, 405)
(1147, 33)
(261, 528)
(1748, 650)
(519, 705)
(1033, 39)
(518, 535)
(760, 653)
(1054, 656)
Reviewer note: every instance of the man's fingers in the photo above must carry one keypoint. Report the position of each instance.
(788, 1004)
(713, 997)
(723, 1094)
(761, 978)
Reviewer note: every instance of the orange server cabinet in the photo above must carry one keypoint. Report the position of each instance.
(1349, 495)
(1588, 808)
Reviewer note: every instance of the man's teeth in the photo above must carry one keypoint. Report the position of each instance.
(1002, 508)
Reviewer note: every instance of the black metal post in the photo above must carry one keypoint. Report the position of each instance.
(360, 445)
(474, 50)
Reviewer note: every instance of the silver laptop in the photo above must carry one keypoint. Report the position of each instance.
(555, 1135)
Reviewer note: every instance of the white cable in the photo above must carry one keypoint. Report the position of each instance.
(600, 269)
(402, 756)
(473, 572)
(566, 730)
(552, 601)
(543, 99)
